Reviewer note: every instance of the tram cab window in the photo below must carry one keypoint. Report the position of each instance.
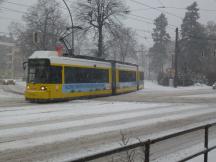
(38, 71)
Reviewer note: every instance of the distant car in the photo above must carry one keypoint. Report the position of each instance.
(9, 82)
(214, 86)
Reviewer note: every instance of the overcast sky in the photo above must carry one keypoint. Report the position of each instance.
(133, 20)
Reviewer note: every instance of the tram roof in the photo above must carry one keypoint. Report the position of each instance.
(56, 59)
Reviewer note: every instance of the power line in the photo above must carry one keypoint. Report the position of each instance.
(7, 18)
(172, 7)
(27, 6)
(151, 20)
(161, 2)
(201, 38)
(142, 17)
(140, 9)
(145, 37)
(145, 31)
(20, 4)
(155, 8)
(13, 10)
(4, 33)
(140, 20)
(179, 8)
(15, 3)
(148, 21)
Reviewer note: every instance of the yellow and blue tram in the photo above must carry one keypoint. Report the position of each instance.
(53, 78)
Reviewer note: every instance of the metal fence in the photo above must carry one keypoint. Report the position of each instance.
(147, 145)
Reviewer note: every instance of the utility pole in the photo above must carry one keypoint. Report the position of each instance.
(176, 59)
(72, 28)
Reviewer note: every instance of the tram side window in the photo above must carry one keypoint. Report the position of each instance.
(55, 75)
(100, 76)
(127, 76)
(70, 75)
(85, 75)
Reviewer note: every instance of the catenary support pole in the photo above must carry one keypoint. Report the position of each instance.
(176, 59)
(72, 28)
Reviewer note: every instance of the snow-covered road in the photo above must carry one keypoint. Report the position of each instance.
(63, 131)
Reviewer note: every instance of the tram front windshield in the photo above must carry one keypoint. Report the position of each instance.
(38, 71)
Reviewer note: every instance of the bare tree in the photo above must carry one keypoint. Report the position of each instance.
(46, 19)
(97, 14)
(123, 44)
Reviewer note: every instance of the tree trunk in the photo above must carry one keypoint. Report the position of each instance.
(100, 41)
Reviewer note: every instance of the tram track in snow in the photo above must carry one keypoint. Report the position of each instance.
(88, 128)
(62, 131)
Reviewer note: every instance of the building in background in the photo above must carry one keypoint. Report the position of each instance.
(11, 59)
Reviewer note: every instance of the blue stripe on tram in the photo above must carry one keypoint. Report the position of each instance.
(83, 87)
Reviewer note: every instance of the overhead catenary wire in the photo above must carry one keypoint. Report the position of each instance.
(140, 19)
(143, 21)
(156, 8)
(12, 10)
(134, 17)
(160, 1)
(175, 8)
(26, 6)
(179, 8)
(7, 18)
(152, 21)
(15, 3)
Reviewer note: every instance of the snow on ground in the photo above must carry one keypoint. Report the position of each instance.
(150, 86)
(32, 126)
(18, 88)
(38, 125)
(21, 83)
(12, 91)
(4, 94)
(153, 86)
(200, 96)
(86, 122)
(211, 157)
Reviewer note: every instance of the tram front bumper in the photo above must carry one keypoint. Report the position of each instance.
(37, 95)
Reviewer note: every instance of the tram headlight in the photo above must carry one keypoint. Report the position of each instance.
(43, 88)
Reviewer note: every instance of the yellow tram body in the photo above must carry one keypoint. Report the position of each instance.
(128, 86)
(76, 77)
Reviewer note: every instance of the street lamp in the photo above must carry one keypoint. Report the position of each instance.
(72, 28)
